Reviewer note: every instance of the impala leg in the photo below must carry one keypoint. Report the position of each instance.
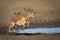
(23, 27)
(15, 26)
(11, 26)
(27, 24)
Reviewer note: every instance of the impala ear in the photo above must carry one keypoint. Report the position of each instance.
(17, 13)
(28, 9)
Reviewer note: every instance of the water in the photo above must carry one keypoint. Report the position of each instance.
(40, 30)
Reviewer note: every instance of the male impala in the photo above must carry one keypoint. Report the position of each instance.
(21, 20)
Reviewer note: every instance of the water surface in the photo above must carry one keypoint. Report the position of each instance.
(40, 30)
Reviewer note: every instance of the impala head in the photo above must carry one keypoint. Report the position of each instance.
(30, 12)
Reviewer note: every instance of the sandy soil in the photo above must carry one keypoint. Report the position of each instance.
(5, 36)
(46, 10)
(30, 37)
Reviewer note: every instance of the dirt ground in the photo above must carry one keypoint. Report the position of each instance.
(30, 37)
(47, 10)
(5, 36)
